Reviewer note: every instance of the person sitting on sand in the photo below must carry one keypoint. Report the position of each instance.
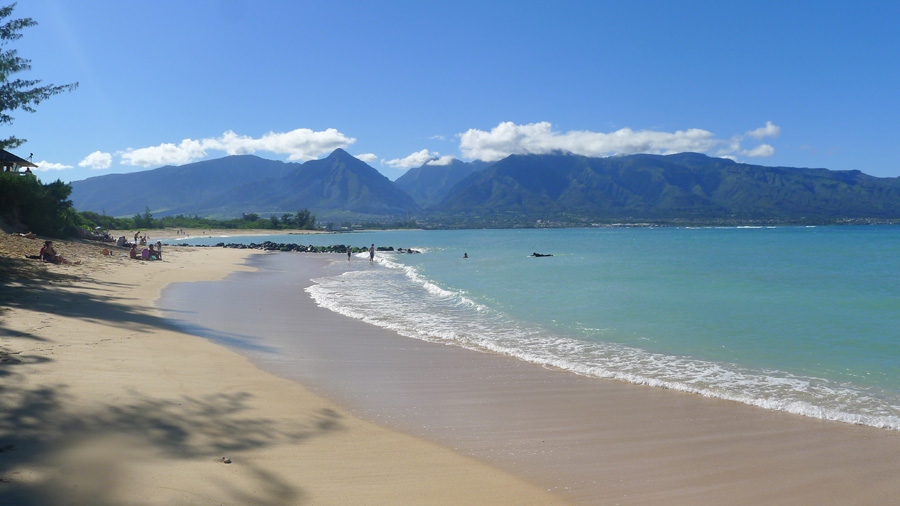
(133, 252)
(48, 254)
(154, 255)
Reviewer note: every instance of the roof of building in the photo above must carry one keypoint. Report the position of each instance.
(6, 157)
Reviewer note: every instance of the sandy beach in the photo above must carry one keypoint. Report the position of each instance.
(105, 402)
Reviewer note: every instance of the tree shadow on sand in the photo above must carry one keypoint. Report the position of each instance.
(94, 301)
(52, 451)
(16, 273)
(79, 457)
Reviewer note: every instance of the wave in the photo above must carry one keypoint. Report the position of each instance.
(397, 297)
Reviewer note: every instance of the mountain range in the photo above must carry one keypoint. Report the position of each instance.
(430, 184)
(685, 185)
(229, 186)
(520, 188)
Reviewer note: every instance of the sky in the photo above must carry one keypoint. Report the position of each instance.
(401, 84)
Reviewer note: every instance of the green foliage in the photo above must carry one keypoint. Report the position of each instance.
(16, 94)
(43, 208)
(106, 222)
(143, 220)
(302, 220)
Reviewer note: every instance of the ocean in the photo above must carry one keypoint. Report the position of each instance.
(799, 319)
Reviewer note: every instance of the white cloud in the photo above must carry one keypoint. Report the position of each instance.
(416, 159)
(300, 144)
(437, 138)
(368, 157)
(537, 138)
(508, 138)
(444, 160)
(97, 160)
(45, 165)
(762, 150)
(769, 130)
(165, 154)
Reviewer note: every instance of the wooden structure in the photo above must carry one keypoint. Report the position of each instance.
(12, 163)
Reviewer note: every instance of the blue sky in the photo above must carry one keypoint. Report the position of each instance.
(805, 84)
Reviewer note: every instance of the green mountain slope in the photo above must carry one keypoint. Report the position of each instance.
(430, 184)
(168, 188)
(686, 185)
(339, 182)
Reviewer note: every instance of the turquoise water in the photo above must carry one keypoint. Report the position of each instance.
(805, 320)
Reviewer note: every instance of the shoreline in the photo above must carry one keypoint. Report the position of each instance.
(596, 441)
(106, 402)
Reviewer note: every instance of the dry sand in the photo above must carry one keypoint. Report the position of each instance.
(102, 401)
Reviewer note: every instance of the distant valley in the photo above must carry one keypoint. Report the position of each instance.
(518, 190)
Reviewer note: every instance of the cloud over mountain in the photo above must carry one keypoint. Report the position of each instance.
(300, 144)
(369, 158)
(508, 138)
(416, 159)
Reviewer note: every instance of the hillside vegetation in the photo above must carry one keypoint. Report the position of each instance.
(516, 191)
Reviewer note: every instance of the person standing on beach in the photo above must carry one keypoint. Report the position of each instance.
(371, 253)
(349, 252)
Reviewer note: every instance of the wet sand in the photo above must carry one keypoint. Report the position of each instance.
(592, 441)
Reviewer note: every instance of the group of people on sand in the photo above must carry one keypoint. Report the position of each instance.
(140, 250)
(153, 252)
(141, 239)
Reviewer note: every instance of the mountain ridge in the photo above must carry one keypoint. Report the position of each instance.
(689, 185)
(520, 188)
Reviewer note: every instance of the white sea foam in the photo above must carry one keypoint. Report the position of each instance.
(399, 298)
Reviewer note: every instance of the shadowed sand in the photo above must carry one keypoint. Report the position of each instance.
(104, 402)
(594, 441)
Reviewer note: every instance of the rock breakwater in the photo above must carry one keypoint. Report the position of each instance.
(301, 248)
